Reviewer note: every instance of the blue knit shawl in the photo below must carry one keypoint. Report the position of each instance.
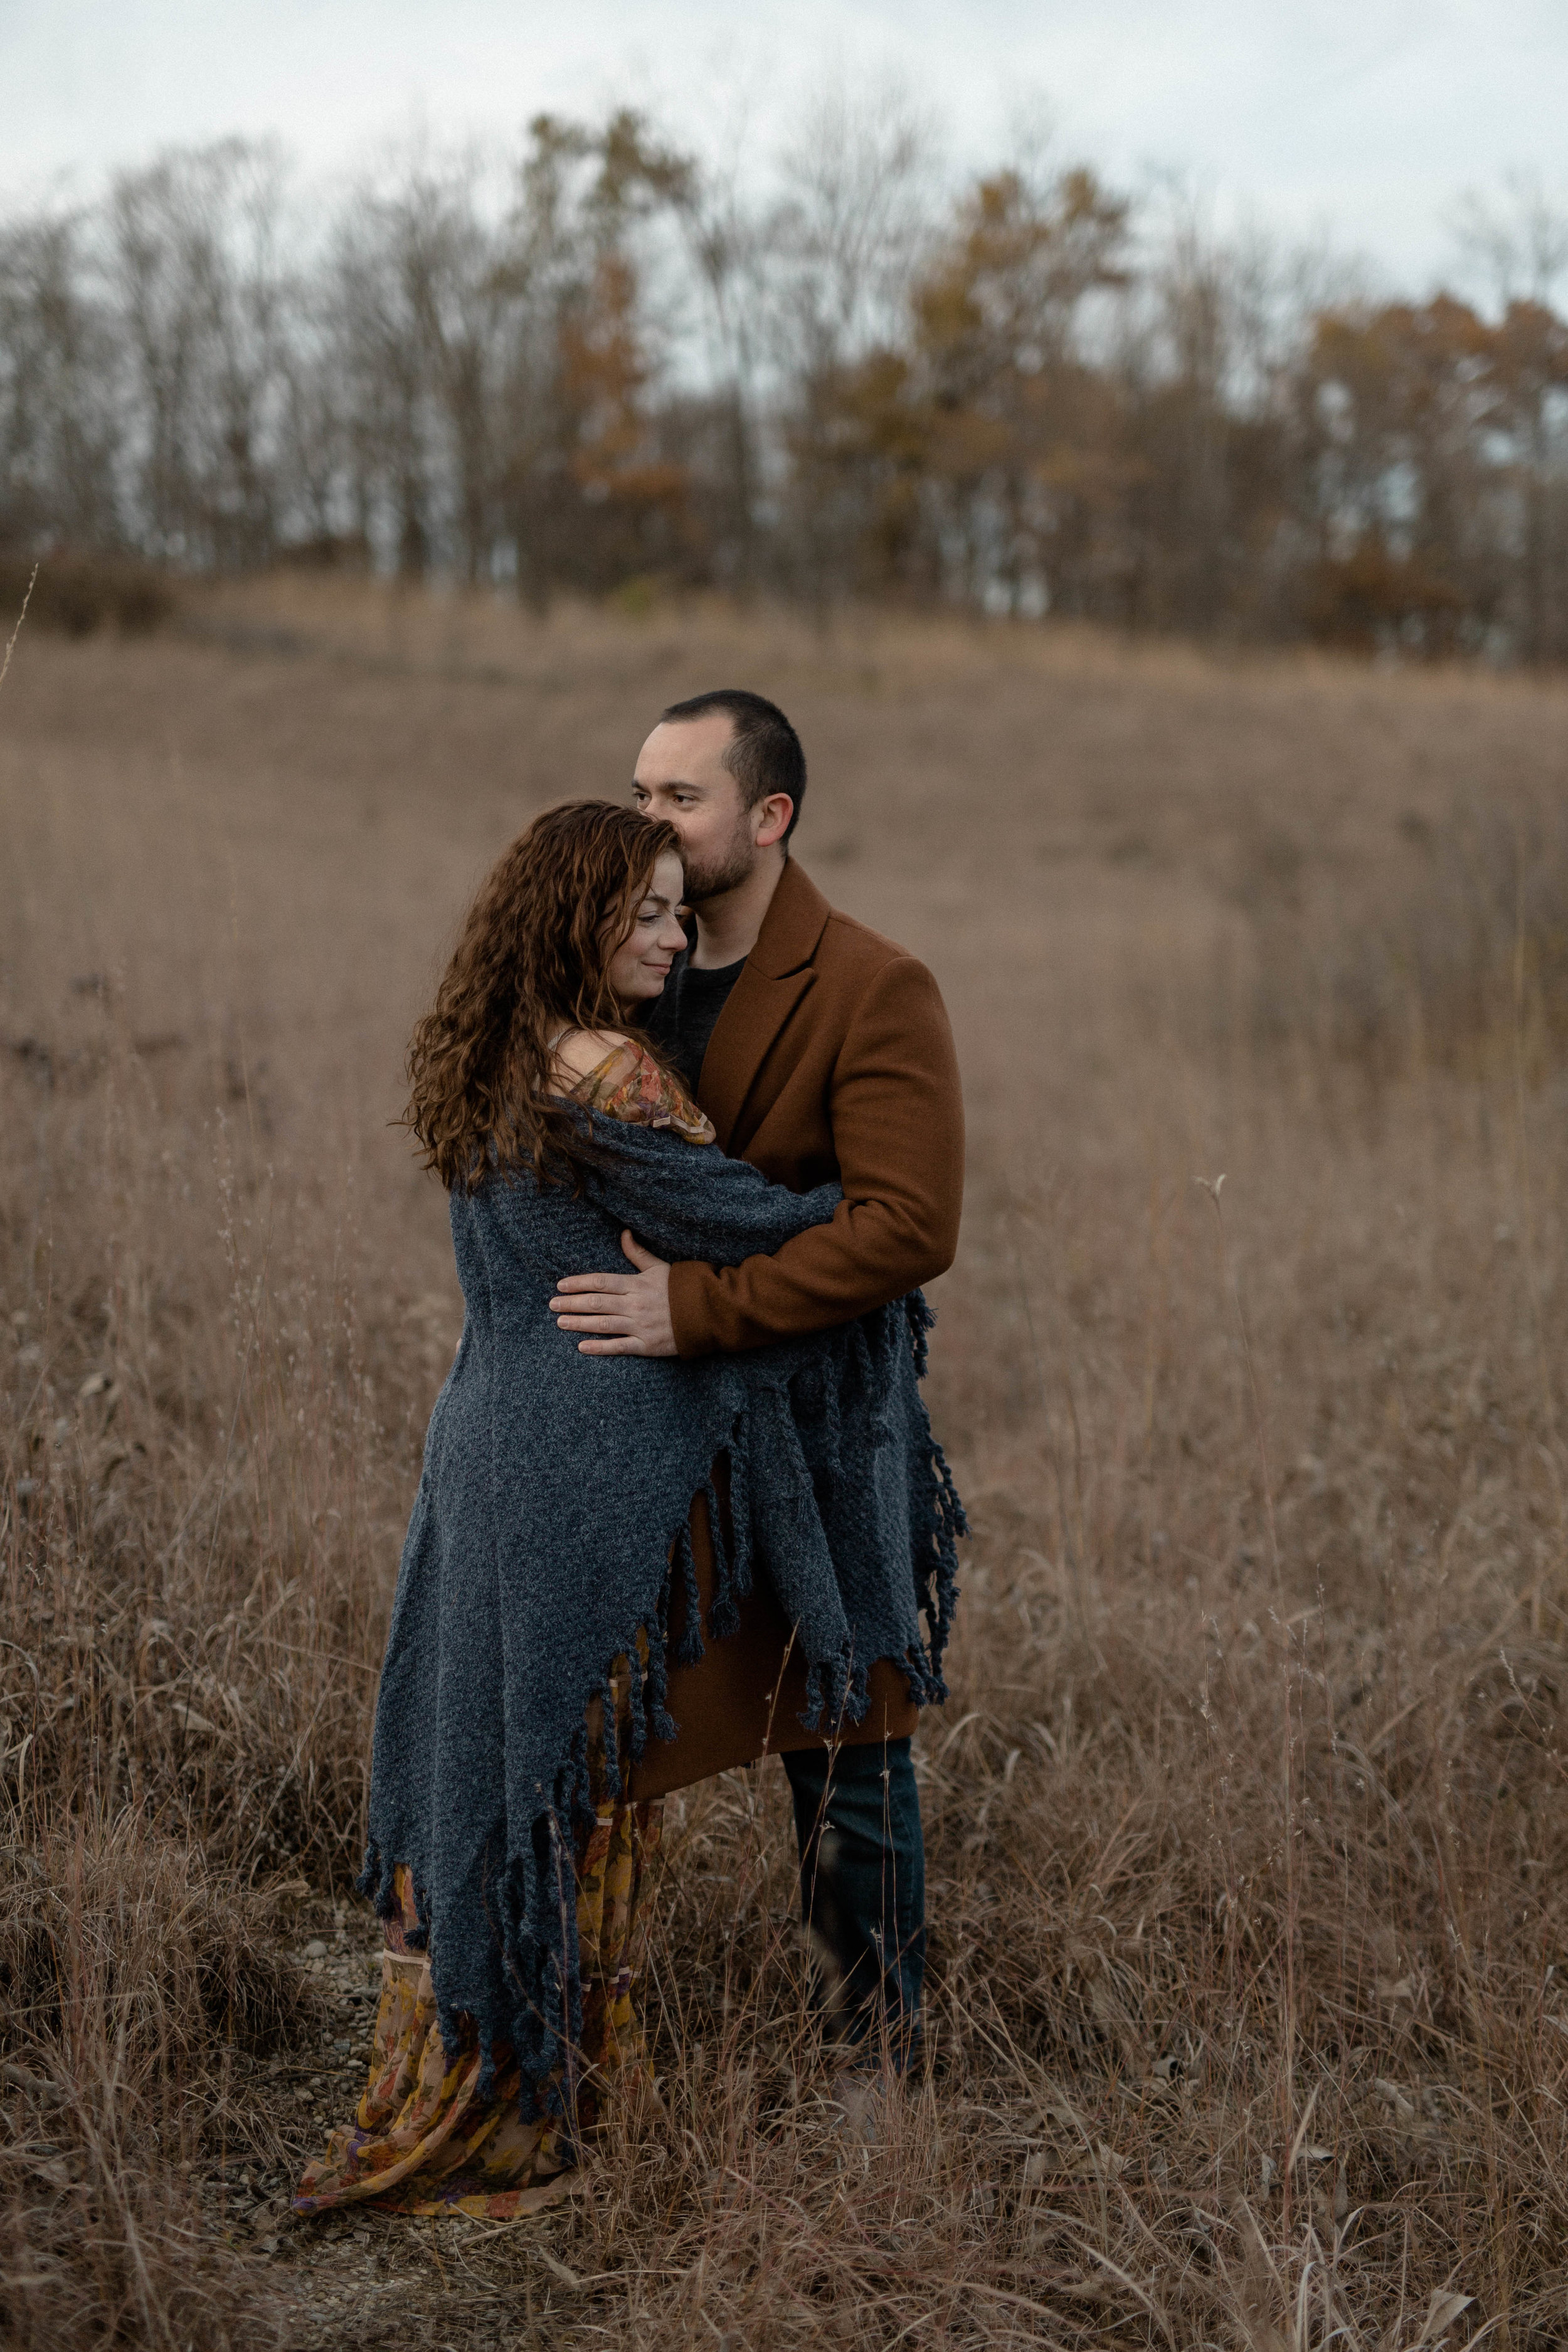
(556, 1494)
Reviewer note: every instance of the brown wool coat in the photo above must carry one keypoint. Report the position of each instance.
(831, 1058)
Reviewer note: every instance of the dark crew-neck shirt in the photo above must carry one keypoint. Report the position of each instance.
(683, 1017)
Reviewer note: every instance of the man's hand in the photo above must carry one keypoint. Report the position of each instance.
(630, 1312)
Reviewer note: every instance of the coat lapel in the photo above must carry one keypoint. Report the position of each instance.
(777, 975)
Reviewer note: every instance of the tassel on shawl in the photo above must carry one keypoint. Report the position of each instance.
(738, 1453)
(921, 1320)
(656, 1679)
(689, 1650)
(609, 1709)
(936, 1528)
(724, 1617)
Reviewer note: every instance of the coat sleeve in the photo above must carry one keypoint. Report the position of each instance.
(898, 1129)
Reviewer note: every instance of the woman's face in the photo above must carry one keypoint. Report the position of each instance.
(640, 965)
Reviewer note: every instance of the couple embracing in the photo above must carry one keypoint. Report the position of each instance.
(681, 1505)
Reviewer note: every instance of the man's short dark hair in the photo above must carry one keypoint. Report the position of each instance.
(765, 756)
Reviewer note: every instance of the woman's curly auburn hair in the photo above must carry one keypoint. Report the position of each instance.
(532, 960)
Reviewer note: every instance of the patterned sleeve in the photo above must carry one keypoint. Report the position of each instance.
(629, 1085)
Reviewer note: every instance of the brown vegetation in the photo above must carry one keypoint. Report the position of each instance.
(1249, 1882)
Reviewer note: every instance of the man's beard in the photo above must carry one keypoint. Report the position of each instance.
(726, 867)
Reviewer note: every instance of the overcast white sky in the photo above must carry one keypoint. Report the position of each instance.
(1362, 119)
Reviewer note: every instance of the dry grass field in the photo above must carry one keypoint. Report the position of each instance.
(1247, 1822)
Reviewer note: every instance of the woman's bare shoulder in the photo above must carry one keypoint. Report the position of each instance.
(581, 1052)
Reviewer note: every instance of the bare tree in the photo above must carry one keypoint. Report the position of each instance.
(199, 279)
(416, 338)
(61, 410)
(589, 493)
(726, 233)
(1517, 239)
(854, 214)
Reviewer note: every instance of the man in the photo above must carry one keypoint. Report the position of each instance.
(820, 1051)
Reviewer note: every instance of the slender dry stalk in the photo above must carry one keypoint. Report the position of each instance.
(11, 640)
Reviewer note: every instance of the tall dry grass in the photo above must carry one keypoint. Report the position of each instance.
(1246, 1817)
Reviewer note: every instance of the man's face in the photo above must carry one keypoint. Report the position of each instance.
(681, 776)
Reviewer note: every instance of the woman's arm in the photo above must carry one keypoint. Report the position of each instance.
(680, 1199)
(671, 1202)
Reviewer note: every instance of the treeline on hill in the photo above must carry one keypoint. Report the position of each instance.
(626, 371)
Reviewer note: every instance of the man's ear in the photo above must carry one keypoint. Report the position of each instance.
(775, 812)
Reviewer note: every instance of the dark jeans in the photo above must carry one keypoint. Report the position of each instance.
(862, 1889)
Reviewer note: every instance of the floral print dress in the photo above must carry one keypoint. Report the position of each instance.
(423, 2140)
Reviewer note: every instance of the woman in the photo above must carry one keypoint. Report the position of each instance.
(550, 1546)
